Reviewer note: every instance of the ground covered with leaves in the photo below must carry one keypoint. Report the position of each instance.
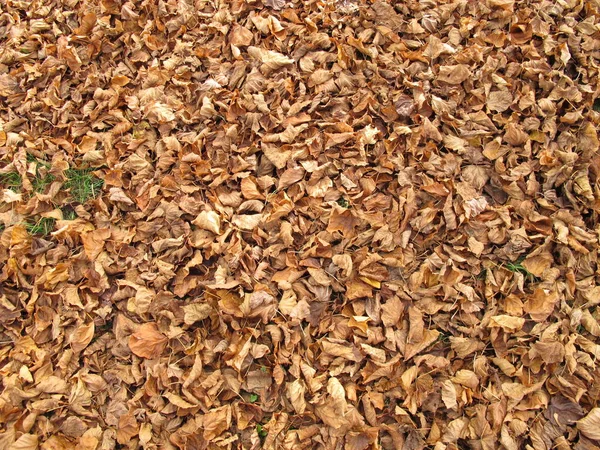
(330, 224)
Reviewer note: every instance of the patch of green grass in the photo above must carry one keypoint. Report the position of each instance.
(69, 214)
(83, 184)
(262, 433)
(343, 202)
(517, 267)
(253, 398)
(12, 180)
(444, 337)
(40, 183)
(43, 226)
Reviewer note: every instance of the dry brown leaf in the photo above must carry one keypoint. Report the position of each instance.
(406, 217)
(449, 394)
(128, 428)
(241, 36)
(454, 74)
(273, 60)
(118, 195)
(589, 426)
(540, 304)
(295, 393)
(82, 336)
(507, 323)
(196, 312)
(247, 221)
(147, 341)
(216, 421)
(25, 442)
(499, 101)
(208, 220)
(538, 264)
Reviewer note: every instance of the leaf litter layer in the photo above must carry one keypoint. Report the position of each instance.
(287, 225)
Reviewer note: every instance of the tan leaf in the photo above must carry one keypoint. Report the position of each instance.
(449, 394)
(391, 311)
(290, 176)
(9, 196)
(344, 262)
(494, 149)
(118, 195)
(507, 323)
(338, 395)
(216, 421)
(247, 221)
(475, 206)
(589, 426)
(342, 220)
(53, 385)
(551, 352)
(456, 429)
(127, 429)
(277, 155)
(540, 304)
(295, 393)
(357, 289)
(416, 325)
(178, 401)
(275, 4)
(250, 189)
(582, 185)
(520, 33)
(475, 246)
(499, 101)
(320, 276)
(240, 36)
(466, 378)
(514, 135)
(157, 112)
(341, 349)
(145, 433)
(465, 346)
(454, 74)
(259, 304)
(117, 81)
(412, 349)
(196, 312)
(147, 341)
(82, 336)
(538, 264)
(319, 76)
(271, 59)
(93, 242)
(25, 442)
(87, 24)
(208, 220)
(588, 138)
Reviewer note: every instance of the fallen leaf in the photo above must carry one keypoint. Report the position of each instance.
(589, 426)
(273, 60)
(82, 336)
(147, 341)
(208, 220)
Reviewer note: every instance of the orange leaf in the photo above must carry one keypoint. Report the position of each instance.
(147, 341)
